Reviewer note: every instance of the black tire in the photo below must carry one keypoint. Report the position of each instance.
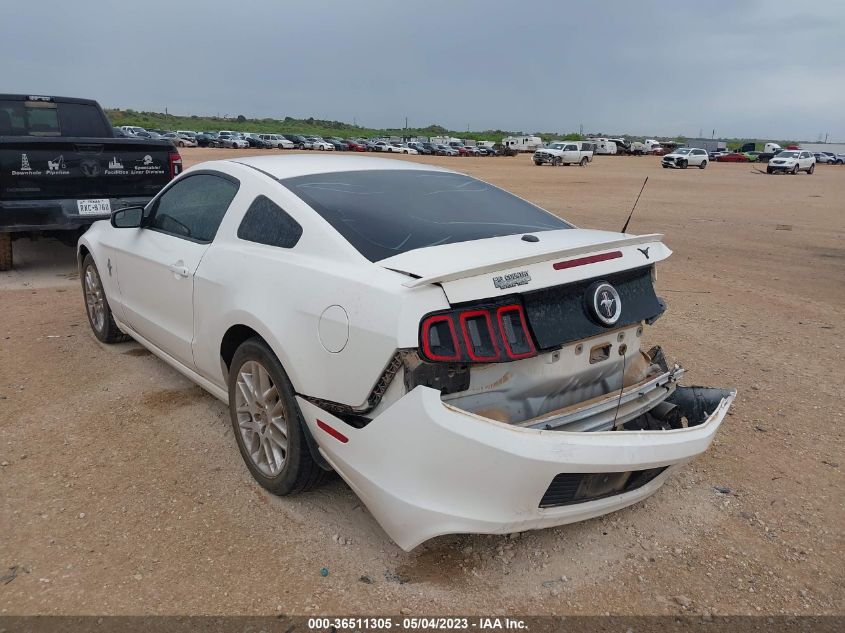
(109, 332)
(811, 170)
(665, 166)
(769, 170)
(683, 164)
(557, 161)
(584, 161)
(300, 471)
(5, 251)
(703, 164)
(794, 171)
(538, 163)
(300, 146)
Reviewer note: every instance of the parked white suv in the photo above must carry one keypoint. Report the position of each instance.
(792, 161)
(684, 157)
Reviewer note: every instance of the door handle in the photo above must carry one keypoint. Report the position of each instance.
(179, 269)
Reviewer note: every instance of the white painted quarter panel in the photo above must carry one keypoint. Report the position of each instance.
(281, 293)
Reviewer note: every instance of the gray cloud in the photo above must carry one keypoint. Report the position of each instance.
(767, 69)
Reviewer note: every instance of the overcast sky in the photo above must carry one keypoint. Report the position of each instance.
(751, 69)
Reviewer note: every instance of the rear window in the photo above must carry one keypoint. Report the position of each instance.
(387, 212)
(40, 118)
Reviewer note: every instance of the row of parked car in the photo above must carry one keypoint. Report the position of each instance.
(754, 157)
(243, 140)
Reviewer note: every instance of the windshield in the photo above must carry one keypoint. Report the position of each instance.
(387, 212)
(556, 146)
(682, 151)
(787, 154)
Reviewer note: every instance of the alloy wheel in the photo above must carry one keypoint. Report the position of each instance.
(261, 418)
(95, 298)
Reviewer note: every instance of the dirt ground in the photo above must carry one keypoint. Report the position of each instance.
(122, 490)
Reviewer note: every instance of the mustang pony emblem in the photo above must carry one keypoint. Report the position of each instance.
(604, 303)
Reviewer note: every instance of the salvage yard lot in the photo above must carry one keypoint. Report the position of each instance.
(123, 491)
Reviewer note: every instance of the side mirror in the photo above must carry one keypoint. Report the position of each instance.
(127, 218)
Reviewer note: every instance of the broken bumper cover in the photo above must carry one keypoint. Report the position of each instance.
(424, 468)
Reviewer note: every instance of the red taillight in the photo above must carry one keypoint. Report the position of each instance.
(479, 338)
(477, 335)
(439, 340)
(175, 161)
(514, 331)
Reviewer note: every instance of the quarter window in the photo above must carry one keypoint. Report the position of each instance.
(265, 222)
(194, 207)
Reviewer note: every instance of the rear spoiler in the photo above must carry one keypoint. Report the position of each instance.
(501, 264)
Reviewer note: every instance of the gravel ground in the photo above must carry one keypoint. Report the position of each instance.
(123, 491)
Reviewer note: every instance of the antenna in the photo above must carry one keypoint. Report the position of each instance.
(630, 215)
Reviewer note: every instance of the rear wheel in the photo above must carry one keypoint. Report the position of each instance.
(703, 164)
(267, 422)
(584, 161)
(97, 305)
(811, 170)
(5, 251)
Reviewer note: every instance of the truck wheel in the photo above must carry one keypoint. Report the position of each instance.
(556, 161)
(538, 163)
(268, 423)
(665, 166)
(97, 305)
(5, 251)
(703, 164)
(584, 161)
(811, 170)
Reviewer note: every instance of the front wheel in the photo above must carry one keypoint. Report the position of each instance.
(538, 163)
(703, 164)
(97, 305)
(557, 161)
(684, 164)
(181, 144)
(267, 422)
(795, 170)
(811, 170)
(665, 166)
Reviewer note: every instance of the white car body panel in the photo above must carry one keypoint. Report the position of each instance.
(463, 267)
(336, 320)
(420, 434)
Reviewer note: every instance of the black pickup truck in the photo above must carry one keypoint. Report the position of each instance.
(62, 168)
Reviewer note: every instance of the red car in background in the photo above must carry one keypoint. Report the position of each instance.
(733, 157)
(356, 146)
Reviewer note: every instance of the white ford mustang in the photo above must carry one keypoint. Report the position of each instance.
(465, 360)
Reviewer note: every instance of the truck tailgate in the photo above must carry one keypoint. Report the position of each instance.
(33, 168)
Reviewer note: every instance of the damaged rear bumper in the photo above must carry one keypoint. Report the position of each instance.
(425, 468)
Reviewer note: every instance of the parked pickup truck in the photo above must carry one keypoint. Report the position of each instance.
(563, 153)
(62, 168)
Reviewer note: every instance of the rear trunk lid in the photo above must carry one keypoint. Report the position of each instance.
(506, 265)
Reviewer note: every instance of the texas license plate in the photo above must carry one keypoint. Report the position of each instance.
(100, 206)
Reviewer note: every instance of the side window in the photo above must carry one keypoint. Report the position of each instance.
(571, 148)
(194, 207)
(265, 222)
